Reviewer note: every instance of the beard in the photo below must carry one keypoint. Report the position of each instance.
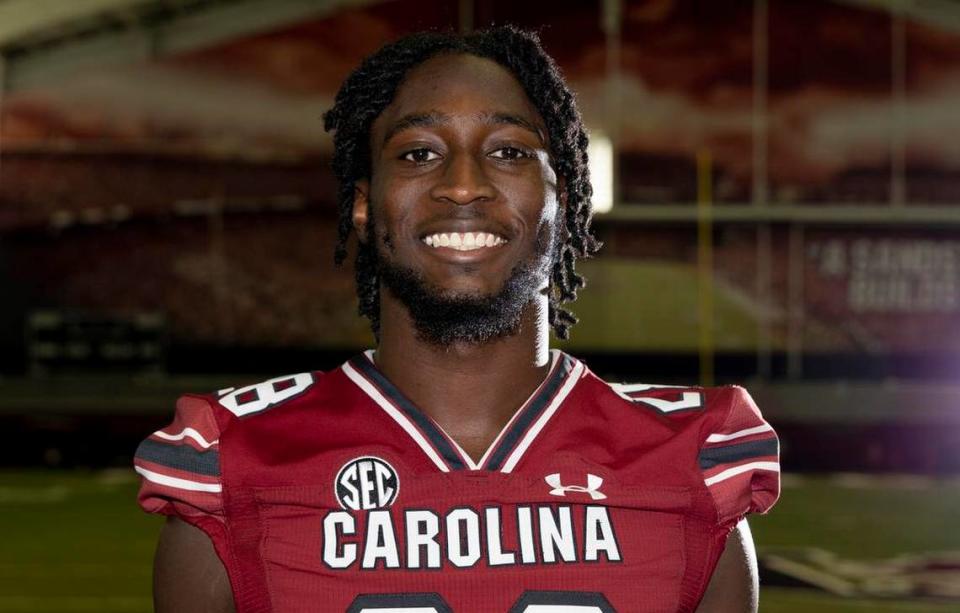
(443, 318)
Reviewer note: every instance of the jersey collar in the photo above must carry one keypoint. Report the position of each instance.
(510, 444)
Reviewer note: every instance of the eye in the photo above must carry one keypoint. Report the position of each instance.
(510, 153)
(420, 156)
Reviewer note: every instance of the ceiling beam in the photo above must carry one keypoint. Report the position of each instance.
(930, 216)
(940, 14)
(202, 26)
(20, 19)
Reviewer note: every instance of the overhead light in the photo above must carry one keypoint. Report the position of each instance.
(600, 154)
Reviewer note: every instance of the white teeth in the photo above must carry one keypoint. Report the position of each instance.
(466, 241)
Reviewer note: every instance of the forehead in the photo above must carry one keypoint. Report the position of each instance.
(459, 85)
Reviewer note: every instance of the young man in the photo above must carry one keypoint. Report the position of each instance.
(461, 466)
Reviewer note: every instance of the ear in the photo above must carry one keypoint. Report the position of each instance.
(361, 208)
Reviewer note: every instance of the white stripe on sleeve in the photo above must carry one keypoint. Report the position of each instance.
(719, 438)
(187, 433)
(180, 484)
(737, 470)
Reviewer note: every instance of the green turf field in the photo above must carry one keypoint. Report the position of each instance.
(652, 305)
(75, 541)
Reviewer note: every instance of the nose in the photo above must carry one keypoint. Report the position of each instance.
(464, 181)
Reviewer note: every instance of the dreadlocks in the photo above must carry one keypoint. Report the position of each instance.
(372, 87)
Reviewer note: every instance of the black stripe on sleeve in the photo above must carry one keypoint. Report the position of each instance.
(734, 453)
(180, 457)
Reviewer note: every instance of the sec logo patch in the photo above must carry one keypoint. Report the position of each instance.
(366, 483)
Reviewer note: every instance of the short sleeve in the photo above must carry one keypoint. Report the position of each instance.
(179, 465)
(740, 458)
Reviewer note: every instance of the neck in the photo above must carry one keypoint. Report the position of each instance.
(470, 389)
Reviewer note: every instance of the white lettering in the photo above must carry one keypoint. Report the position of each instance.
(599, 536)
(384, 492)
(458, 540)
(422, 538)
(525, 531)
(365, 467)
(495, 554)
(335, 524)
(366, 483)
(352, 498)
(557, 537)
(380, 542)
(422, 530)
(904, 276)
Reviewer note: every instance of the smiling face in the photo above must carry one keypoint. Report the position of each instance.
(462, 205)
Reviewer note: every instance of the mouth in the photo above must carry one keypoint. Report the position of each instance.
(464, 241)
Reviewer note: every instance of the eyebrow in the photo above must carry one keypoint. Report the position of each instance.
(436, 118)
(516, 120)
(416, 120)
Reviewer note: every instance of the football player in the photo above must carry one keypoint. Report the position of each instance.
(461, 465)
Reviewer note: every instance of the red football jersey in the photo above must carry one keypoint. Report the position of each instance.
(333, 492)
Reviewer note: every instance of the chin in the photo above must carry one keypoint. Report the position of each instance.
(465, 292)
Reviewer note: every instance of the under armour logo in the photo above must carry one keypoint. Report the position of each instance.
(593, 486)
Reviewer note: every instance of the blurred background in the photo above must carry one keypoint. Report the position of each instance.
(780, 187)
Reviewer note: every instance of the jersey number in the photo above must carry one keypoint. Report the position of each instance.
(262, 396)
(529, 602)
(686, 400)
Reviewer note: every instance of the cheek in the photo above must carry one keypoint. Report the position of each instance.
(550, 196)
(390, 211)
(550, 214)
(400, 192)
(547, 217)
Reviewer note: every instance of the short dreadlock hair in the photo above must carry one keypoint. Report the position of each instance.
(370, 88)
